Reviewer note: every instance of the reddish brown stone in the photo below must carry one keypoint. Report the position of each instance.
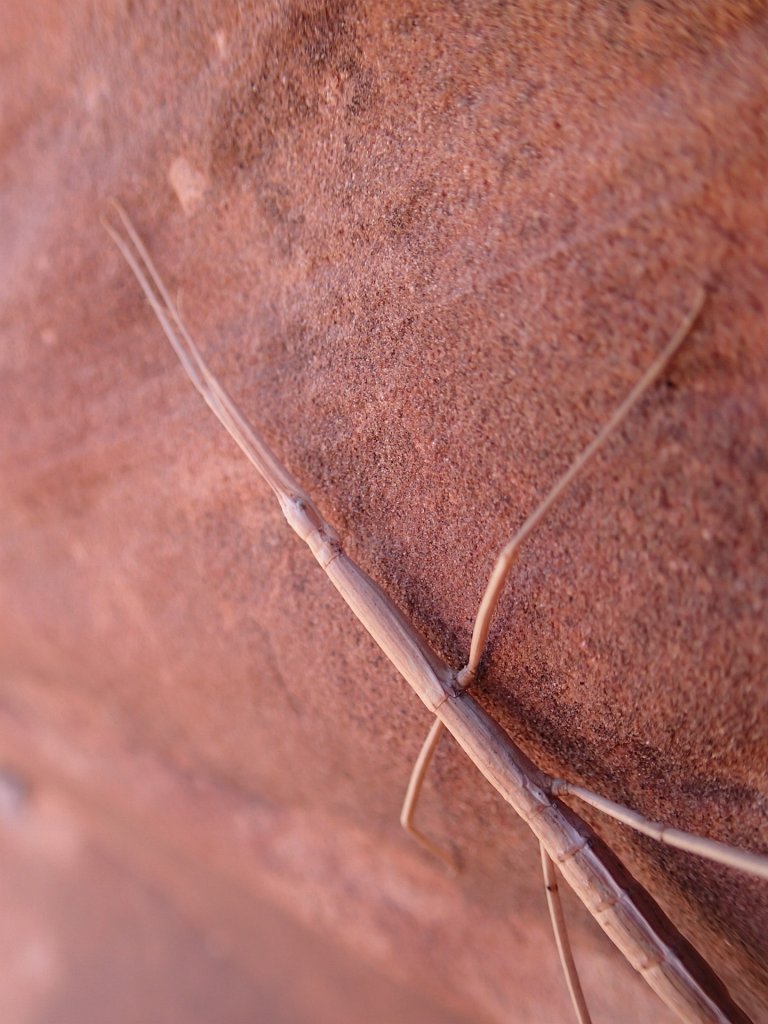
(428, 248)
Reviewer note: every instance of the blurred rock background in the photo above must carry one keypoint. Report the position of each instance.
(428, 247)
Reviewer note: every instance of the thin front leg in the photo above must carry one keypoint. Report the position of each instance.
(561, 938)
(508, 555)
(415, 783)
(743, 860)
(507, 558)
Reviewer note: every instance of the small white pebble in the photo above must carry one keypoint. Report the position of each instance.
(188, 183)
(220, 39)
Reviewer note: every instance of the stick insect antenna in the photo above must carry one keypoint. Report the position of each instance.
(285, 486)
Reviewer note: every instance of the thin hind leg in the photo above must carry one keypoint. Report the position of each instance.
(415, 783)
(561, 938)
(743, 860)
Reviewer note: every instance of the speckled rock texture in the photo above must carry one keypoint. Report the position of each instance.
(428, 247)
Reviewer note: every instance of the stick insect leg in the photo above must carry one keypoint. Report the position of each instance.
(743, 860)
(509, 553)
(561, 938)
(415, 783)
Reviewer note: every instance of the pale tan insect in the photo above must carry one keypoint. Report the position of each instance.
(625, 911)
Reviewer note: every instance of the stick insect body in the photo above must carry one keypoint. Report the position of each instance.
(625, 911)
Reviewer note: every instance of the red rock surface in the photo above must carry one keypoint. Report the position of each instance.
(428, 248)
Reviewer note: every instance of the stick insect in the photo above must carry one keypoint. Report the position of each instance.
(625, 911)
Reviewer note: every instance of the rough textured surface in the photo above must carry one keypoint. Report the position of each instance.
(428, 248)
